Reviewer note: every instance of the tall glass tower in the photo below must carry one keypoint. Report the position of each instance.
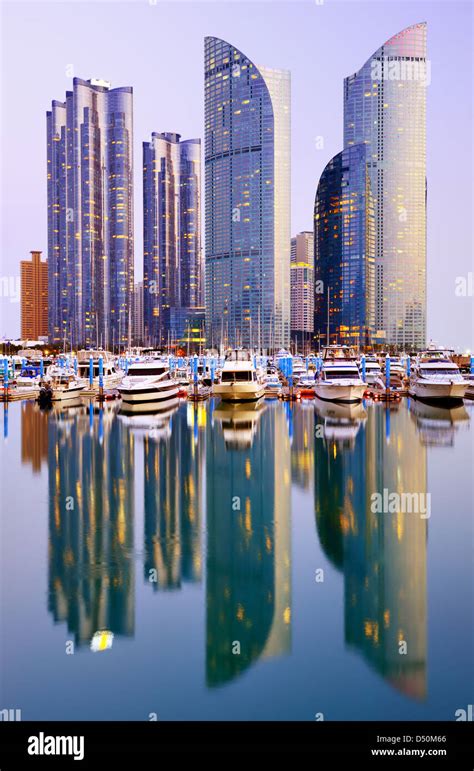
(344, 248)
(385, 108)
(172, 260)
(247, 199)
(90, 214)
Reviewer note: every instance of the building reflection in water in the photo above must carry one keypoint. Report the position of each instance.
(174, 474)
(248, 489)
(91, 569)
(382, 556)
(302, 448)
(34, 435)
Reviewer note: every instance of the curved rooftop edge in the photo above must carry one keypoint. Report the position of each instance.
(102, 89)
(358, 146)
(399, 43)
(212, 38)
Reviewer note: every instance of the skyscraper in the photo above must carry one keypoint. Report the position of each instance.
(247, 198)
(172, 260)
(344, 251)
(385, 108)
(90, 214)
(302, 289)
(34, 297)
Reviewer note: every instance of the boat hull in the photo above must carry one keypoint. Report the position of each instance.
(64, 395)
(239, 392)
(442, 392)
(332, 392)
(147, 394)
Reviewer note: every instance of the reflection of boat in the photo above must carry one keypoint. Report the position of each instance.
(436, 377)
(149, 408)
(154, 425)
(341, 421)
(339, 380)
(102, 641)
(147, 382)
(437, 425)
(239, 423)
(240, 381)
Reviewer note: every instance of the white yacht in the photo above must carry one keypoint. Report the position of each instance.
(470, 387)
(299, 369)
(148, 382)
(339, 380)
(60, 385)
(111, 375)
(272, 384)
(240, 381)
(373, 371)
(435, 377)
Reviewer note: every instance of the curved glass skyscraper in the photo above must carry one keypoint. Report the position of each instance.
(90, 214)
(247, 198)
(344, 251)
(385, 108)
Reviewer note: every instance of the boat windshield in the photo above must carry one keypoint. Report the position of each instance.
(428, 371)
(341, 374)
(242, 376)
(238, 355)
(145, 371)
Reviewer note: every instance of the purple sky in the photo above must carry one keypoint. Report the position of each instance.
(158, 49)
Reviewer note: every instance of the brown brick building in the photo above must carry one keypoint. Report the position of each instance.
(34, 297)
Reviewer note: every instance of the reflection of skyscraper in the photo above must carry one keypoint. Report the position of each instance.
(385, 109)
(247, 157)
(173, 473)
(90, 214)
(383, 556)
(302, 447)
(34, 435)
(248, 551)
(91, 572)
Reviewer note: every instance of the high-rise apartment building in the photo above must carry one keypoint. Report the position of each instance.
(385, 109)
(90, 214)
(172, 260)
(34, 297)
(302, 289)
(247, 199)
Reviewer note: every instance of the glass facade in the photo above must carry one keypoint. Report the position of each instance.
(90, 214)
(385, 108)
(302, 287)
(344, 248)
(247, 199)
(172, 260)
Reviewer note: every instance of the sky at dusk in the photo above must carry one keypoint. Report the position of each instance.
(157, 47)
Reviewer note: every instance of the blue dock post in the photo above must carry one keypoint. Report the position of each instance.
(91, 372)
(387, 373)
(362, 361)
(408, 366)
(5, 379)
(195, 373)
(472, 364)
(75, 365)
(290, 375)
(41, 369)
(101, 377)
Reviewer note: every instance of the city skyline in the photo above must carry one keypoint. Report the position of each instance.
(457, 262)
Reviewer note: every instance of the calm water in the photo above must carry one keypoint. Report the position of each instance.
(188, 532)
